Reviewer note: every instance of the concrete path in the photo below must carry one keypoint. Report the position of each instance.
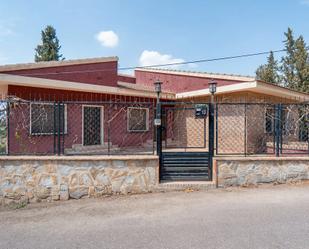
(265, 217)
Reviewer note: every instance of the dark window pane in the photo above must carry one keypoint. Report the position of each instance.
(43, 120)
(92, 125)
(303, 125)
(269, 120)
(137, 119)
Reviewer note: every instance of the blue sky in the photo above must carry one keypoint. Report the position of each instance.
(141, 32)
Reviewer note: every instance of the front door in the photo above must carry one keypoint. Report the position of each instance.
(92, 125)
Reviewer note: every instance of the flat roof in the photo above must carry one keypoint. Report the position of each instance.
(17, 80)
(234, 77)
(130, 89)
(46, 64)
(252, 86)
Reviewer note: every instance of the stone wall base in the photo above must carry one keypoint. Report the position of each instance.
(253, 170)
(32, 179)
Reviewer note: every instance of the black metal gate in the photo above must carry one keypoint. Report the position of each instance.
(186, 141)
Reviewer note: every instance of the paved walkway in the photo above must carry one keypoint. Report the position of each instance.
(265, 217)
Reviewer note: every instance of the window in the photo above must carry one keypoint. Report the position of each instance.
(44, 118)
(269, 120)
(138, 119)
(287, 121)
(303, 133)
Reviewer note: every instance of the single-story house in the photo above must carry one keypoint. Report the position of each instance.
(91, 108)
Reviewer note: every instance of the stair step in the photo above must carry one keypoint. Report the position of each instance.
(185, 169)
(186, 178)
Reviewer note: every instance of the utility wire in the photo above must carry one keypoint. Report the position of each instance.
(213, 59)
(167, 64)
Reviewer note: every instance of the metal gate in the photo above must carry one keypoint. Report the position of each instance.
(186, 141)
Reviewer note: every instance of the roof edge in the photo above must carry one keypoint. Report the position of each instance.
(140, 87)
(47, 64)
(281, 87)
(9, 79)
(242, 86)
(197, 74)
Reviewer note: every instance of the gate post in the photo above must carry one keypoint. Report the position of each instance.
(212, 90)
(58, 128)
(157, 123)
(8, 103)
(159, 136)
(278, 129)
(211, 141)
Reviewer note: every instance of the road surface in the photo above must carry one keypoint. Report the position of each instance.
(264, 217)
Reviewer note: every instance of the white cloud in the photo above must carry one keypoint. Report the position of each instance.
(149, 58)
(107, 38)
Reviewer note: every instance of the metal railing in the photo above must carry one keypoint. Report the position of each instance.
(267, 129)
(76, 128)
(127, 127)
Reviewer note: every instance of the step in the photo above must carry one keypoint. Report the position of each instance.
(185, 154)
(190, 169)
(186, 161)
(186, 185)
(185, 179)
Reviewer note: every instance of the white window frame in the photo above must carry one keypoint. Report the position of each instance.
(147, 119)
(49, 133)
(102, 123)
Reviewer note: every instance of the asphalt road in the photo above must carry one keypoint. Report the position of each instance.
(265, 217)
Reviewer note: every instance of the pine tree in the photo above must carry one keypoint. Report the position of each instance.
(269, 71)
(294, 68)
(301, 65)
(50, 48)
(288, 61)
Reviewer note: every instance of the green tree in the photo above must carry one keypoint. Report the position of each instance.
(288, 61)
(49, 50)
(301, 66)
(269, 71)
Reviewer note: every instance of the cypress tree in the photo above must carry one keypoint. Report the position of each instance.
(49, 50)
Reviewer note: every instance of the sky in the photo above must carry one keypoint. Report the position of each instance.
(147, 32)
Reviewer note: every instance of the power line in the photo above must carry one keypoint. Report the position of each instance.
(214, 59)
(168, 64)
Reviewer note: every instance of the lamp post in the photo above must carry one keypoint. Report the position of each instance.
(157, 121)
(211, 142)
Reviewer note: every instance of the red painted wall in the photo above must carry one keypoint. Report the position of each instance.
(115, 117)
(47, 94)
(103, 73)
(127, 78)
(177, 83)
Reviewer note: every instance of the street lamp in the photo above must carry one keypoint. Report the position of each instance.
(157, 121)
(212, 87)
(158, 84)
(158, 89)
(211, 142)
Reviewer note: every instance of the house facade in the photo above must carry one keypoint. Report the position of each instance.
(86, 107)
(82, 99)
(245, 119)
